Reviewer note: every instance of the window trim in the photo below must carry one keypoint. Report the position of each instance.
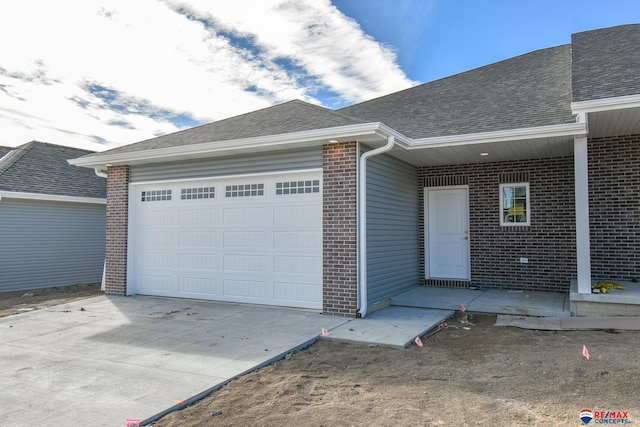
(503, 223)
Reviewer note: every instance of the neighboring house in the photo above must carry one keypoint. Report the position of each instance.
(520, 175)
(52, 218)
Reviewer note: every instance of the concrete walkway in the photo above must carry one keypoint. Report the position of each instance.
(101, 361)
(486, 301)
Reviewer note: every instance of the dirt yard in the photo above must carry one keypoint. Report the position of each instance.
(485, 375)
(35, 299)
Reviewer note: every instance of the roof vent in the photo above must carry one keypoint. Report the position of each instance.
(6, 155)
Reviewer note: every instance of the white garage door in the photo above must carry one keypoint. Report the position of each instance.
(251, 239)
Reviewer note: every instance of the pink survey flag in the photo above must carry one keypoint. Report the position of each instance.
(585, 352)
(418, 341)
(325, 333)
(463, 308)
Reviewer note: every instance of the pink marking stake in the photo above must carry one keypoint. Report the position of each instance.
(585, 352)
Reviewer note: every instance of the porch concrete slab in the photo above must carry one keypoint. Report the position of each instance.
(103, 360)
(486, 301)
(436, 297)
(523, 303)
(569, 323)
(394, 327)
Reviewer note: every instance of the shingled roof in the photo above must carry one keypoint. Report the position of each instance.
(526, 91)
(292, 116)
(41, 168)
(606, 63)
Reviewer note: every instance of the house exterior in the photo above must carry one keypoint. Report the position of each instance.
(52, 218)
(520, 175)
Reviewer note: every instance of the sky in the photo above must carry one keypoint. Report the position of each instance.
(98, 74)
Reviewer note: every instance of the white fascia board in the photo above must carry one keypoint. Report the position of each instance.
(606, 104)
(51, 197)
(311, 138)
(569, 129)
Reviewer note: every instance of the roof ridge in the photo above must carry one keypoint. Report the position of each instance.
(326, 110)
(462, 73)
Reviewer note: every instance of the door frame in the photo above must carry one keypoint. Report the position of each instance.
(427, 263)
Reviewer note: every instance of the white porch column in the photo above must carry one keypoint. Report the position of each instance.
(583, 245)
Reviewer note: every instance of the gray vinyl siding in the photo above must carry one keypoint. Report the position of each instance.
(231, 165)
(393, 260)
(45, 244)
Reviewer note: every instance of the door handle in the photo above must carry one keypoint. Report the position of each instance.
(465, 238)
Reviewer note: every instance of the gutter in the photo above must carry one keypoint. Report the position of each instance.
(362, 221)
(51, 197)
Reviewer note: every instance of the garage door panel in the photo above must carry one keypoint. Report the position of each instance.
(156, 218)
(245, 215)
(197, 239)
(199, 261)
(156, 239)
(244, 239)
(297, 292)
(194, 217)
(245, 288)
(293, 216)
(201, 286)
(243, 263)
(297, 239)
(247, 244)
(297, 264)
(156, 283)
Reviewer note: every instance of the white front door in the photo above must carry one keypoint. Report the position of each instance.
(447, 227)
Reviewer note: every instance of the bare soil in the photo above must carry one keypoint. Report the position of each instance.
(486, 375)
(34, 299)
(483, 375)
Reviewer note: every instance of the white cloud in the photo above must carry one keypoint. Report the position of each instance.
(157, 60)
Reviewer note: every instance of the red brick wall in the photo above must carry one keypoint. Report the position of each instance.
(117, 224)
(548, 243)
(340, 228)
(614, 207)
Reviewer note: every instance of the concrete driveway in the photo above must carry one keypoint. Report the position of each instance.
(104, 360)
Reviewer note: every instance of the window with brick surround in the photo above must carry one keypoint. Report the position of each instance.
(156, 195)
(514, 204)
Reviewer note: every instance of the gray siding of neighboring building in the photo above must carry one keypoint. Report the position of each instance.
(393, 259)
(45, 244)
(231, 165)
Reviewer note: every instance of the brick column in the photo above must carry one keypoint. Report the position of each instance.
(117, 226)
(340, 229)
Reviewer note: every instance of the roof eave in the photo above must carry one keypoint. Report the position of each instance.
(310, 138)
(51, 197)
(558, 130)
(606, 104)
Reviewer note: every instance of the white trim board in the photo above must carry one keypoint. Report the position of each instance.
(50, 197)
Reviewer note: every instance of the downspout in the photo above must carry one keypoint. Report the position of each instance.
(362, 221)
(100, 172)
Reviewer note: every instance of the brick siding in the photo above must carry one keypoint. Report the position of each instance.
(340, 228)
(116, 228)
(548, 243)
(614, 207)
